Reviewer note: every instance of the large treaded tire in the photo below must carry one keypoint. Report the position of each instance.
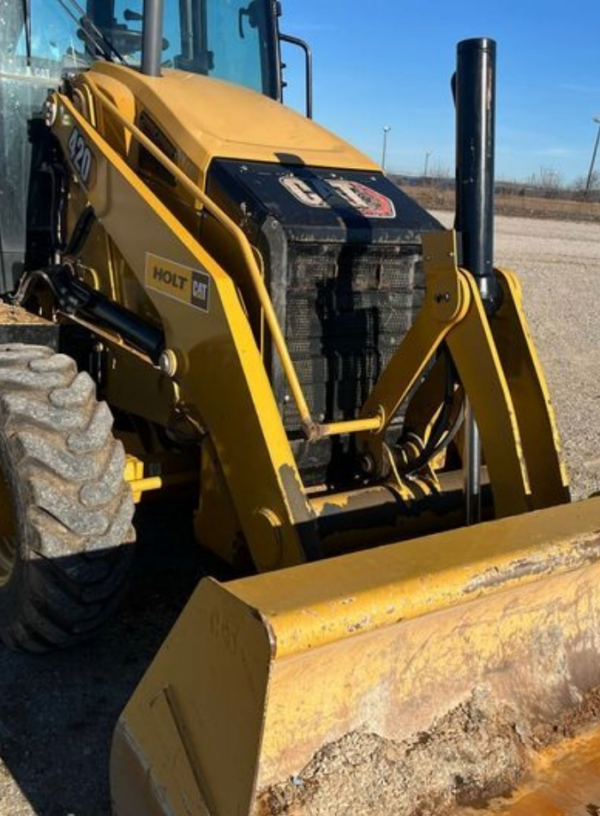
(65, 509)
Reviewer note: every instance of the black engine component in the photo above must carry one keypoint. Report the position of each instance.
(342, 256)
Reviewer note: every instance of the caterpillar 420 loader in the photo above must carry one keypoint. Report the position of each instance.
(275, 325)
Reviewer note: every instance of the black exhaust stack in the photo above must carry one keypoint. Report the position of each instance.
(153, 39)
(474, 86)
(475, 94)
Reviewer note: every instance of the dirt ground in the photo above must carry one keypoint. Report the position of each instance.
(57, 713)
(436, 196)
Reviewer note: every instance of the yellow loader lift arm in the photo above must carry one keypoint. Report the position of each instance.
(518, 428)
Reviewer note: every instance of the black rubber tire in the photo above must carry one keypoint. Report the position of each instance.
(65, 509)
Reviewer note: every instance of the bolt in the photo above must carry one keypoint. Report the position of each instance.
(442, 297)
(167, 362)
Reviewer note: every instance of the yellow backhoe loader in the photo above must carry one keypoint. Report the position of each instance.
(206, 291)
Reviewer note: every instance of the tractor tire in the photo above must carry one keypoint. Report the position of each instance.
(65, 509)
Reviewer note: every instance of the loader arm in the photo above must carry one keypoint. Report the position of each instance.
(208, 333)
(504, 382)
(214, 348)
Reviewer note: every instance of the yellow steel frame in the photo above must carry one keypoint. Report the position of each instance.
(312, 429)
(500, 373)
(221, 373)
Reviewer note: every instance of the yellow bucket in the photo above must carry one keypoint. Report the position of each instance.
(418, 678)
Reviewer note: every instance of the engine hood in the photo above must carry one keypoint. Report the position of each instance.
(207, 118)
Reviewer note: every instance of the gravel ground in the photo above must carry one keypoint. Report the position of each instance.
(57, 713)
(558, 263)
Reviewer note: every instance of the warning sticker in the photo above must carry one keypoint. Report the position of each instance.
(183, 283)
(335, 193)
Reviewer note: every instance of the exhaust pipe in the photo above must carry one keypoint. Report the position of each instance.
(475, 92)
(152, 40)
(475, 95)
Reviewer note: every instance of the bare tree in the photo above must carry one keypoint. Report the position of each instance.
(580, 183)
(440, 171)
(550, 181)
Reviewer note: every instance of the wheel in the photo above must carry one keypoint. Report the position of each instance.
(65, 509)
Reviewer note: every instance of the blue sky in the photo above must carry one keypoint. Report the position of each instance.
(389, 62)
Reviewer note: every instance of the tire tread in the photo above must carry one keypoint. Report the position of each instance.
(74, 509)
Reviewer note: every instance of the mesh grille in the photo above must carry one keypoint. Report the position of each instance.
(347, 310)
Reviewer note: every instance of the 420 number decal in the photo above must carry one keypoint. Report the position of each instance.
(81, 156)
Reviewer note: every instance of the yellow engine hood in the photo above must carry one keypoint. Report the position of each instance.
(208, 118)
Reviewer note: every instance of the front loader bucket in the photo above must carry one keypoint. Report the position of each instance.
(418, 678)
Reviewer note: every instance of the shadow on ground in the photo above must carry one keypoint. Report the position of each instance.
(57, 712)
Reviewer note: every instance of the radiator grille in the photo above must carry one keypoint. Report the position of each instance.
(348, 307)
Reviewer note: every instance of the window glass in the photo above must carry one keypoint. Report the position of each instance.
(55, 42)
(234, 39)
(124, 30)
(228, 39)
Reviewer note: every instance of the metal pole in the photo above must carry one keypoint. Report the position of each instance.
(426, 168)
(386, 130)
(152, 40)
(593, 161)
(475, 85)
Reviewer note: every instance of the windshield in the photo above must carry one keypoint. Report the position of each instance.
(228, 39)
